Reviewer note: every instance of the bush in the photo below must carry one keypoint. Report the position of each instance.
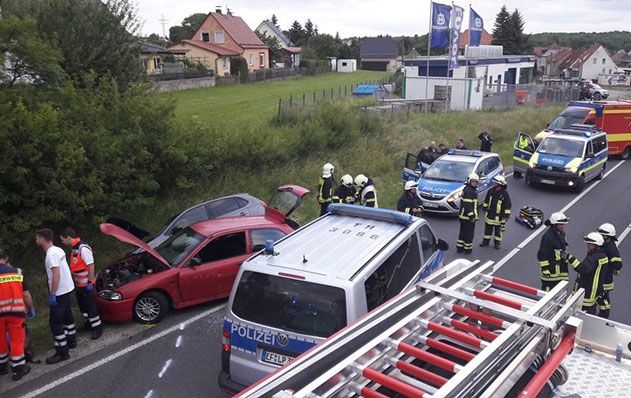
(309, 65)
(239, 66)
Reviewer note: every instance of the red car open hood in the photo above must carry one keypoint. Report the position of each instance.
(126, 237)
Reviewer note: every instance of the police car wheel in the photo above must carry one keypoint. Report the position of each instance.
(580, 184)
(151, 307)
(602, 173)
(517, 174)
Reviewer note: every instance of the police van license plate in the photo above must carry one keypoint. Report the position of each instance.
(549, 182)
(430, 204)
(274, 358)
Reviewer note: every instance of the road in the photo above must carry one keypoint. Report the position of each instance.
(181, 356)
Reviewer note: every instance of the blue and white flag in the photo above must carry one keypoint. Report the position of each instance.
(457, 17)
(440, 25)
(476, 26)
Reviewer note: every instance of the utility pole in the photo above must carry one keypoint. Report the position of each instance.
(164, 26)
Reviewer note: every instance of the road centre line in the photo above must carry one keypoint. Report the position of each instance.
(119, 354)
(533, 235)
(166, 366)
(178, 342)
(624, 234)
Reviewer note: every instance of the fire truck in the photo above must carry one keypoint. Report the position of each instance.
(464, 332)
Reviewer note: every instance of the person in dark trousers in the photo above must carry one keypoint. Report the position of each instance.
(460, 144)
(468, 215)
(486, 141)
(325, 187)
(614, 266)
(82, 270)
(346, 192)
(590, 271)
(497, 205)
(409, 202)
(60, 286)
(552, 254)
(367, 193)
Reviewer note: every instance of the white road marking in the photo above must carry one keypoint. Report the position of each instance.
(182, 326)
(149, 394)
(119, 354)
(624, 234)
(533, 235)
(165, 367)
(178, 342)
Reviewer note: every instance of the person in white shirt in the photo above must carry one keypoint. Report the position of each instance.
(60, 286)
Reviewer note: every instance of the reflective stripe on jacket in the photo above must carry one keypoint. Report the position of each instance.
(325, 190)
(11, 292)
(78, 267)
(498, 206)
(589, 275)
(469, 204)
(615, 264)
(369, 196)
(551, 256)
(344, 194)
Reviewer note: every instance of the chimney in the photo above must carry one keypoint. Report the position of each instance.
(218, 9)
(228, 11)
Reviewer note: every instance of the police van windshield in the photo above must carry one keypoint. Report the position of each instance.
(449, 170)
(290, 304)
(569, 117)
(561, 147)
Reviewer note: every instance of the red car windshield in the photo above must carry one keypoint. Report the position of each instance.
(179, 246)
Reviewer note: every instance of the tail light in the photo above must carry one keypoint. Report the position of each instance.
(225, 341)
(225, 351)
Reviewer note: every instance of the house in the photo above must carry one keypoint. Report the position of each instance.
(379, 53)
(210, 55)
(554, 61)
(588, 63)
(291, 53)
(346, 65)
(486, 39)
(544, 54)
(230, 34)
(153, 56)
(622, 59)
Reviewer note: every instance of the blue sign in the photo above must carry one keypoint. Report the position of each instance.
(457, 18)
(440, 25)
(476, 26)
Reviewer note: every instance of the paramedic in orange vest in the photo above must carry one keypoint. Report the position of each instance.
(82, 270)
(15, 303)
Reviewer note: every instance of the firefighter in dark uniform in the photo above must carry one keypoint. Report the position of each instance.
(590, 271)
(497, 205)
(367, 194)
(614, 266)
(325, 187)
(346, 192)
(552, 252)
(468, 215)
(409, 202)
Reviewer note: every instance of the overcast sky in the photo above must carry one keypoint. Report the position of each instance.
(395, 17)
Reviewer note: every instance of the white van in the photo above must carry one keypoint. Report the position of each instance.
(318, 279)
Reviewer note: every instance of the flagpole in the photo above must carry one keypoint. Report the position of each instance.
(451, 26)
(429, 44)
(466, 71)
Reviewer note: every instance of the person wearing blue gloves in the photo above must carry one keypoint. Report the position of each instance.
(82, 270)
(60, 286)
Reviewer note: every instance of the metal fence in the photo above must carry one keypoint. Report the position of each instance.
(184, 74)
(505, 96)
(273, 74)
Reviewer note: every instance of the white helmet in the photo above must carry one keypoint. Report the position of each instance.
(347, 180)
(361, 180)
(500, 180)
(410, 184)
(607, 230)
(473, 177)
(594, 238)
(327, 170)
(558, 218)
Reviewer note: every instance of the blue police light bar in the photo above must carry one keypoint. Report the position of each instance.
(370, 213)
(465, 152)
(584, 104)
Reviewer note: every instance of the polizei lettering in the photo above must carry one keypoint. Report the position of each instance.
(253, 334)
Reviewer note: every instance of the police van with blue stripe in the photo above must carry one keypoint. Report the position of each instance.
(567, 157)
(317, 280)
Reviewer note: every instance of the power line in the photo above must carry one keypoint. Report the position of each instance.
(164, 25)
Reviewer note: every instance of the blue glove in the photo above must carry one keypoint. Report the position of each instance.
(30, 314)
(90, 287)
(52, 299)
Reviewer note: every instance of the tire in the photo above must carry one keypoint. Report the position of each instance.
(580, 184)
(517, 174)
(597, 96)
(626, 154)
(151, 307)
(602, 173)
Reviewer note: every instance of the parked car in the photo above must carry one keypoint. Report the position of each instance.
(195, 264)
(598, 93)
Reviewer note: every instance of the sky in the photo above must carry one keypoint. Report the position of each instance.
(394, 17)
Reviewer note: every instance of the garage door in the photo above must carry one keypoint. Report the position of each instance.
(375, 65)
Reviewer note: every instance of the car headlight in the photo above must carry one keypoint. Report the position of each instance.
(454, 196)
(110, 295)
(572, 169)
(531, 163)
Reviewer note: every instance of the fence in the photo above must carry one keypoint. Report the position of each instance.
(185, 74)
(505, 96)
(273, 74)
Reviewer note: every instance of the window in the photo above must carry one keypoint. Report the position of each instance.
(262, 60)
(604, 61)
(221, 207)
(179, 246)
(156, 63)
(428, 242)
(600, 144)
(610, 71)
(258, 237)
(483, 168)
(344, 63)
(219, 37)
(224, 62)
(603, 70)
(190, 217)
(251, 60)
(394, 274)
(499, 79)
(223, 247)
(492, 165)
(595, 61)
(205, 36)
(589, 149)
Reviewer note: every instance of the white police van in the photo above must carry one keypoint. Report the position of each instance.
(318, 279)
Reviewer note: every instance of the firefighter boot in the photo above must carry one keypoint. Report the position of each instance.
(96, 333)
(20, 371)
(57, 357)
(485, 242)
(497, 245)
(4, 368)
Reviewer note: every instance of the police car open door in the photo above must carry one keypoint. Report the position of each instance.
(413, 168)
(522, 152)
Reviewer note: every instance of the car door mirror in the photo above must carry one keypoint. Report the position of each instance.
(195, 262)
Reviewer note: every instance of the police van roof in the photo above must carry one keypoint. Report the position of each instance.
(578, 132)
(338, 244)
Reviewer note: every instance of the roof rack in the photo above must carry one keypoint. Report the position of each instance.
(464, 152)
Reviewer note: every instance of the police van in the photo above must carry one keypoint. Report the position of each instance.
(566, 158)
(317, 280)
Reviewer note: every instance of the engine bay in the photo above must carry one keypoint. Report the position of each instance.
(127, 270)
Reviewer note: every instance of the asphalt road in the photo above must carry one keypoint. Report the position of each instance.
(181, 356)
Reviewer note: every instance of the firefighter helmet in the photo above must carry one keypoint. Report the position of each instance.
(558, 218)
(410, 184)
(473, 177)
(607, 230)
(499, 180)
(347, 180)
(594, 238)
(361, 180)
(327, 170)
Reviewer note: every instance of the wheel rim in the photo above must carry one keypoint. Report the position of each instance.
(147, 309)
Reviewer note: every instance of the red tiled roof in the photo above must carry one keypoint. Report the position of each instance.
(210, 47)
(293, 50)
(238, 30)
(485, 40)
(539, 51)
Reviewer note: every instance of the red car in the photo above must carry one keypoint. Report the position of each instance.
(197, 264)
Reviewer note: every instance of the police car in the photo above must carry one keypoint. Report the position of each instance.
(440, 187)
(568, 158)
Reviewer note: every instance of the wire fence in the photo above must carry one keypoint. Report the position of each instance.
(506, 96)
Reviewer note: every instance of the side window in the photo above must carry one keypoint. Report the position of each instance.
(492, 165)
(599, 145)
(482, 168)
(223, 247)
(190, 217)
(394, 274)
(428, 242)
(258, 237)
(589, 149)
(218, 208)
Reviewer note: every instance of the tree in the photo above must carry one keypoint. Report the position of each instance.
(188, 27)
(275, 48)
(518, 40)
(297, 34)
(309, 29)
(501, 36)
(156, 39)
(274, 19)
(324, 45)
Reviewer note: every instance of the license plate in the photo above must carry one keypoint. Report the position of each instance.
(549, 182)
(430, 205)
(275, 358)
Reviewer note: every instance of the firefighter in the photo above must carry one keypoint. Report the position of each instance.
(497, 205)
(346, 192)
(468, 214)
(325, 187)
(409, 202)
(610, 247)
(60, 286)
(552, 252)
(82, 270)
(367, 193)
(15, 304)
(590, 271)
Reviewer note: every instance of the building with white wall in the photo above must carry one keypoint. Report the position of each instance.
(346, 65)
